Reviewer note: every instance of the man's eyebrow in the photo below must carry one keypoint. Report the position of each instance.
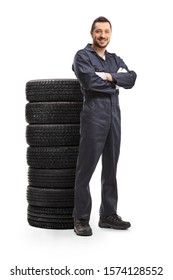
(102, 29)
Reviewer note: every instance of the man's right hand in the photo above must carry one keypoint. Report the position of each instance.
(105, 76)
(109, 77)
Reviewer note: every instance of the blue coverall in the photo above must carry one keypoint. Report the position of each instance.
(100, 128)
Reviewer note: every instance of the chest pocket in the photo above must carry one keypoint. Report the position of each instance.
(98, 68)
(97, 63)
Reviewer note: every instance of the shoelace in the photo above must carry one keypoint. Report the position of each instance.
(81, 222)
(117, 217)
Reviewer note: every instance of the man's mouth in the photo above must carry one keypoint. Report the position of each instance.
(102, 40)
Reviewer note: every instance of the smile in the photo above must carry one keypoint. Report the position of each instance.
(102, 40)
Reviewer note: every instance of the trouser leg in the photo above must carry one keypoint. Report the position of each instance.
(93, 136)
(109, 166)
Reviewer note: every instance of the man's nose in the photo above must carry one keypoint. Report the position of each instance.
(102, 35)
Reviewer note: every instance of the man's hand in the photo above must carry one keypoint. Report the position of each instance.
(105, 76)
(122, 70)
(101, 75)
(109, 77)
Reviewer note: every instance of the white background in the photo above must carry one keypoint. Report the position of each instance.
(38, 40)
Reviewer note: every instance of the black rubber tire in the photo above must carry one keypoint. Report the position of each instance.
(51, 178)
(53, 90)
(62, 220)
(49, 218)
(55, 212)
(44, 197)
(53, 112)
(53, 135)
(52, 157)
(55, 225)
(58, 218)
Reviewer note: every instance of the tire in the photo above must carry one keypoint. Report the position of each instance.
(52, 157)
(50, 197)
(42, 218)
(53, 212)
(53, 90)
(51, 178)
(55, 225)
(51, 218)
(53, 135)
(53, 112)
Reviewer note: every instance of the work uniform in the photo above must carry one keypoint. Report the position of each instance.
(100, 127)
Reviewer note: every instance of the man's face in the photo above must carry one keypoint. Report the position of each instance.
(101, 34)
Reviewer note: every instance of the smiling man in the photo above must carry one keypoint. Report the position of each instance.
(100, 75)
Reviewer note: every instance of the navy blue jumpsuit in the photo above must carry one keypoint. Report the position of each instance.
(100, 128)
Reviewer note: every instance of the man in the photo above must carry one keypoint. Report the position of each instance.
(100, 75)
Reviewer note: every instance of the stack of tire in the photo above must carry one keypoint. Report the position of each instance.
(52, 134)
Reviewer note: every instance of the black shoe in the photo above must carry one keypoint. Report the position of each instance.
(82, 227)
(114, 221)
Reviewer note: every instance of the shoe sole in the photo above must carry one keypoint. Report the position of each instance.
(113, 227)
(83, 234)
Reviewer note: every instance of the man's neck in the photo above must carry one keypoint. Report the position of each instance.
(99, 51)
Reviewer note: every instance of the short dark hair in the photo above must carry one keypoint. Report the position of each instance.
(100, 19)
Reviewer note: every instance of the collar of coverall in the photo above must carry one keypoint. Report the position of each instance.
(89, 48)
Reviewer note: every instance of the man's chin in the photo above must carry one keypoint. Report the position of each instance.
(102, 46)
